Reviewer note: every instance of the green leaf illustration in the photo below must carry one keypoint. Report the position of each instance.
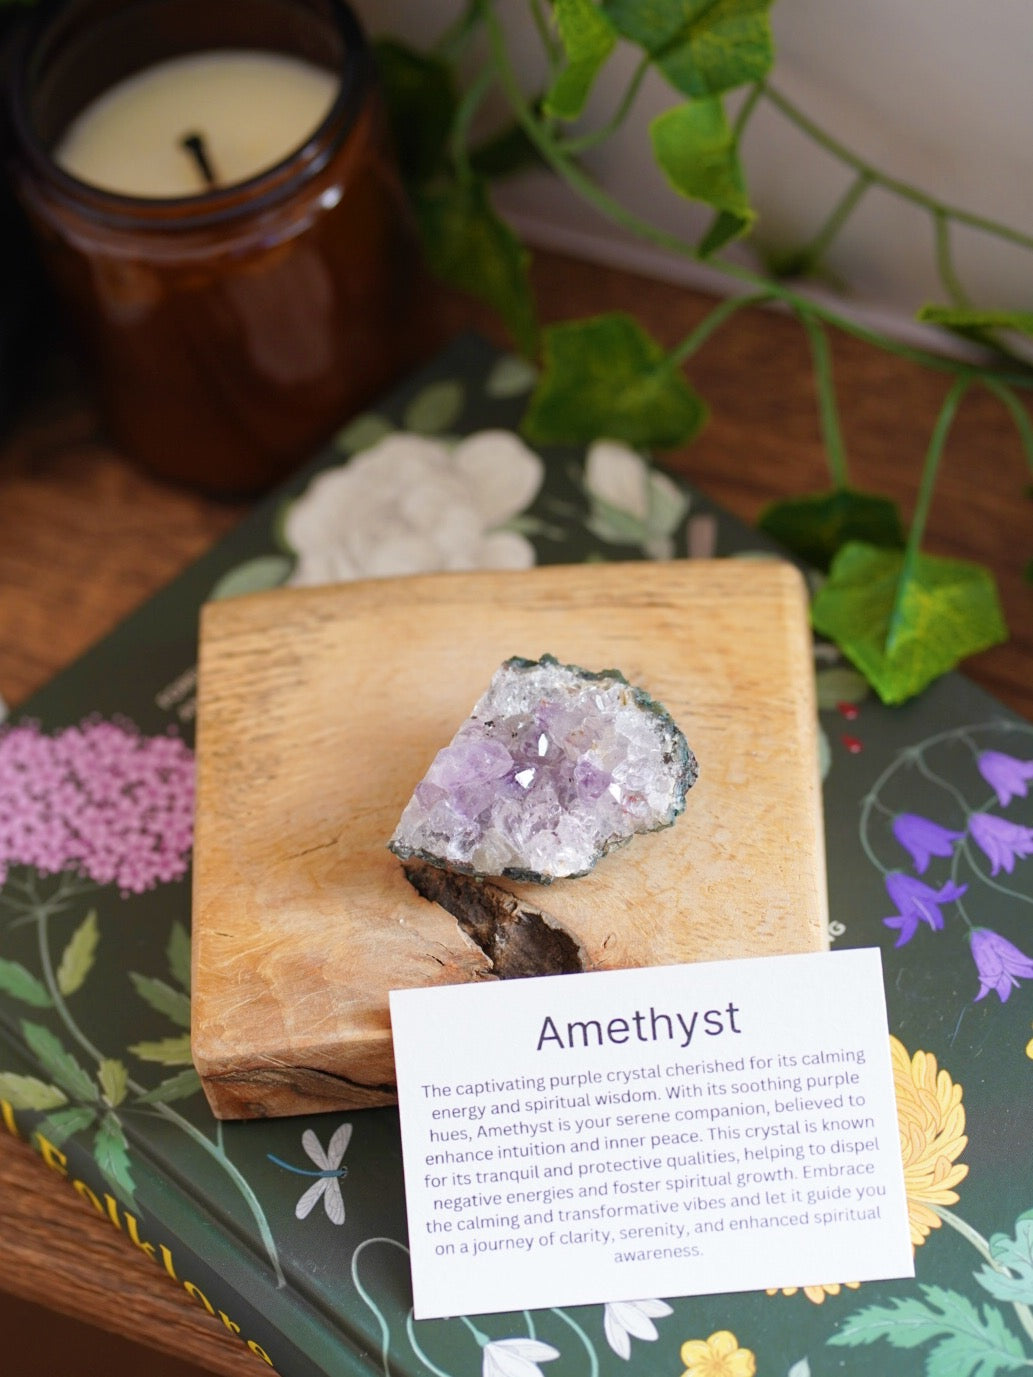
(58, 1063)
(968, 1342)
(421, 101)
(112, 1153)
(605, 376)
(1017, 1255)
(363, 432)
(696, 149)
(702, 49)
(167, 1051)
(177, 1087)
(29, 1092)
(817, 526)
(588, 38)
(58, 1127)
(470, 247)
(77, 957)
(435, 408)
(252, 576)
(174, 1004)
(21, 984)
(510, 376)
(177, 950)
(903, 624)
(113, 1078)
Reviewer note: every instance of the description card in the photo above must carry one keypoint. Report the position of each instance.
(670, 1131)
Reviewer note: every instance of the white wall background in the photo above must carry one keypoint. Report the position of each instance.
(938, 93)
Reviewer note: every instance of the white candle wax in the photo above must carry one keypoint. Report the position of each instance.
(251, 109)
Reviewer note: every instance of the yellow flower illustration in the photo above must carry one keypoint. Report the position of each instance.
(816, 1294)
(718, 1356)
(931, 1120)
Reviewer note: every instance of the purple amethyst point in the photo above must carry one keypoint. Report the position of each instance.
(555, 766)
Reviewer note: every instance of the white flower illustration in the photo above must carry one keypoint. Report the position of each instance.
(632, 503)
(516, 1357)
(627, 1320)
(411, 505)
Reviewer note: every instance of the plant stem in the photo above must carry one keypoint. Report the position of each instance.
(712, 321)
(458, 140)
(828, 412)
(455, 38)
(945, 260)
(613, 210)
(806, 259)
(581, 143)
(938, 439)
(1017, 411)
(930, 469)
(899, 188)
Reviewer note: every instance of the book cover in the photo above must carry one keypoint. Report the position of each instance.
(294, 1230)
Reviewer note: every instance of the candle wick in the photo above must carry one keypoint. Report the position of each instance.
(194, 145)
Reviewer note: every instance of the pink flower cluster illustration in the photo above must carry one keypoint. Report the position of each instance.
(1000, 964)
(99, 800)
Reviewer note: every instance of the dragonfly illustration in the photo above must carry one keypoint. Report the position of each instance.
(328, 1177)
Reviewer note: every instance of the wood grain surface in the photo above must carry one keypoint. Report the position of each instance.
(319, 709)
(85, 537)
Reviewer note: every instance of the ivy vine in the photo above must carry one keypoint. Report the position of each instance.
(902, 615)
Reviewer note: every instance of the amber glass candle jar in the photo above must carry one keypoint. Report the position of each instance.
(229, 330)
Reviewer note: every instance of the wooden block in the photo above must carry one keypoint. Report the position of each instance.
(320, 709)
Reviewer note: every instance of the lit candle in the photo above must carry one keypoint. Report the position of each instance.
(178, 127)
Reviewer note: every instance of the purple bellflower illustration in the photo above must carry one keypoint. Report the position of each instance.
(917, 903)
(1008, 776)
(999, 964)
(1002, 841)
(923, 838)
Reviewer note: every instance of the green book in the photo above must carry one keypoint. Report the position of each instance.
(294, 1230)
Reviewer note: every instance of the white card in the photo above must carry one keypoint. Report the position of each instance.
(666, 1131)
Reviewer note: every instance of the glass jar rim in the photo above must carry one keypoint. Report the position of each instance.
(246, 197)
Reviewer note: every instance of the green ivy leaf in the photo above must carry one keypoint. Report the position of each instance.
(605, 376)
(174, 1004)
(113, 1079)
(966, 320)
(702, 49)
(58, 1127)
(696, 149)
(421, 101)
(252, 576)
(166, 1051)
(435, 408)
(510, 376)
(505, 152)
(58, 1063)
(816, 526)
(178, 1087)
(177, 951)
(968, 1342)
(77, 957)
(112, 1153)
(905, 626)
(20, 983)
(1017, 1255)
(469, 247)
(29, 1092)
(588, 39)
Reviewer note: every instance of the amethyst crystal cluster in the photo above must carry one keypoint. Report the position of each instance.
(554, 768)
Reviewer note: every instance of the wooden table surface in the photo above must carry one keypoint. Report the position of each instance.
(85, 537)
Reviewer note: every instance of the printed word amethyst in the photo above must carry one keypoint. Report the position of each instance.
(554, 768)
